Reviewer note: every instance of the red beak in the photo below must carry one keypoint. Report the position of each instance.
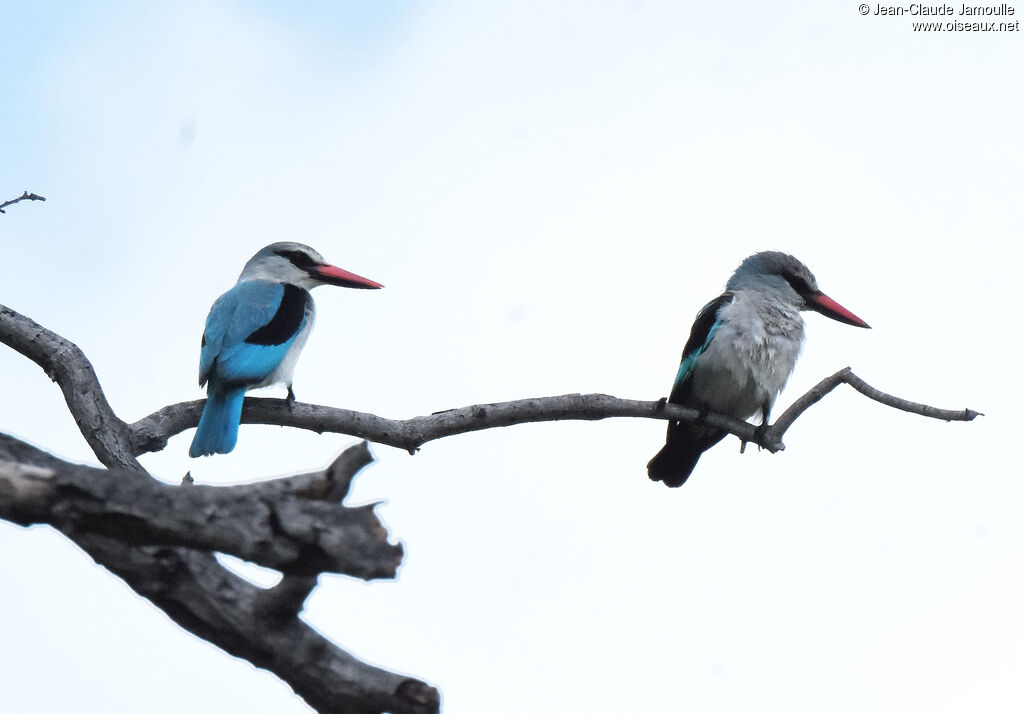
(332, 275)
(820, 302)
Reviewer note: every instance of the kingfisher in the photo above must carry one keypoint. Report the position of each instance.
(255, 332)
(742, 348)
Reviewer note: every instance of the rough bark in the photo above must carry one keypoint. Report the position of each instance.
(297, 523)
(94, 508)
(280, 524)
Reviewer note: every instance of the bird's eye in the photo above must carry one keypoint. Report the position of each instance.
(798, 283)
(300, 260)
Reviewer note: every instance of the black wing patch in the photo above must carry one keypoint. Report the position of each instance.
(286, 321)
(699, 334)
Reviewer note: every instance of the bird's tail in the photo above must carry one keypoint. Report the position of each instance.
(683, 448)
(218, 426)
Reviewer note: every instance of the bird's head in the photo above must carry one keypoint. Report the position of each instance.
(298, 264)
(784, 275)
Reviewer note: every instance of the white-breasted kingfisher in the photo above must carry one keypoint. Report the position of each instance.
(741, 351)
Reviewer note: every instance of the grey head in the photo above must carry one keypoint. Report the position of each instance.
(784, 277)
(298, 264)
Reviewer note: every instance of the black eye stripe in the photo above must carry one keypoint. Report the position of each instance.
(297, 258)
(798, 284)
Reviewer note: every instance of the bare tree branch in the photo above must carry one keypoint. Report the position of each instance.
(262, 522)
(845, 376)
(258, 625)
(151, 432)
(204, 598)
(64, 363)
(160, 539)
(26, 196)
(195, 591)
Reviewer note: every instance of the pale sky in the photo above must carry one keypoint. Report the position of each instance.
(550, 191)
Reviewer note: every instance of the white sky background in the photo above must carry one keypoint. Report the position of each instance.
(550, 192)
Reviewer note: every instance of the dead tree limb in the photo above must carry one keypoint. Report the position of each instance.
(273, 524)
(297, 524)
(188, 584)
(108, 437)
(151, 432)
(846, 376)
(161, 539)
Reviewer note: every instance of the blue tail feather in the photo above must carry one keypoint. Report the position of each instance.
(218, 426)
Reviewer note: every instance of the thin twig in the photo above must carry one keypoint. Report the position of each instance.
(907, 406)
(23, 197)
(846, 376)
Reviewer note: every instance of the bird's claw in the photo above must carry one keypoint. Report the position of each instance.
(759, 434)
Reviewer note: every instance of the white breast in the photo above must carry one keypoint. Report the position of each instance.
(751, 356)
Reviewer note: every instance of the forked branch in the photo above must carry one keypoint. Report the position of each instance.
(161, 540)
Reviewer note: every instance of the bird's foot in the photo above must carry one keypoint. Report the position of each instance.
(291, 397)
(759, 433)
